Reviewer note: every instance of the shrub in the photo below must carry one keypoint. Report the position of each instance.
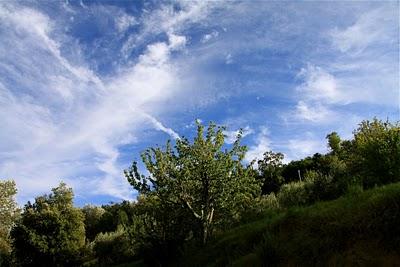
(321, 187)
(294, 194)
(270, 201)
(262, 206)
(315, 187)
(113, 247)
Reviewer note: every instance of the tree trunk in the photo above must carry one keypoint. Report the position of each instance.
(205, 233)
(206, 224)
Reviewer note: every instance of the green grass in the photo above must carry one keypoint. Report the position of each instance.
(361, 229)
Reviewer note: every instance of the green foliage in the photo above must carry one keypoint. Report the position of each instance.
(375, 155)
(261, 206)
(92, 221)
(269, 202)
(270, 172)
(158, 229)
(329, 164)
(294, 194)
(115, 214)
(8, 215)
(113, 247)
(315, 187)
(208, 182)
(321, 187)
(109, 229)
(334, 142)
(50, 231)
(198, 190)
(359, 229)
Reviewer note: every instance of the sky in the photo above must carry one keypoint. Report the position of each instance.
(86, 86)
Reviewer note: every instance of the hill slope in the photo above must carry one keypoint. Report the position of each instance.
(358, 229)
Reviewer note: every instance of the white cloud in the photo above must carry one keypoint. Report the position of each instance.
(61, 120)
(169, 20)
(262, 145)
(318, 84)
(316, 112)
(367, 68)
(209, 36)
(305, 146)
(157, 54)
(176, 42)
(159, 126)
(372, 27)
(228, 59)
(232, 135)
(124, 21)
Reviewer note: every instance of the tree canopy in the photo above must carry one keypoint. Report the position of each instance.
(8, 214)
(204, 177)
(50, 231)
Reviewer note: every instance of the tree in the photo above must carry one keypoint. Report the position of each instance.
(93, 216)
(334, 142)
(8, 214)
(375, 155)
(116, 214)
(202, 178)
(270, 171)
(50, 231)
(159, 229)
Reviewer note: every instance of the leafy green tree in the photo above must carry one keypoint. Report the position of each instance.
(295, 170)
(375, 156)
(205, 179)
(50, 231)
(270, 172)
(8, 214)
(334, 142)
(159, 229)
(93, 216)
(116, 214)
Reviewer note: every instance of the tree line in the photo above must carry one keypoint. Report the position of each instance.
(195, 191)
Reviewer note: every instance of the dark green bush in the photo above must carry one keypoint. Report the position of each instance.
(113, 247)
(294, 194)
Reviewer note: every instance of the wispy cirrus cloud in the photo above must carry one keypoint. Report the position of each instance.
(82, 88)
(363, 69)
(313, 112)
(72, 129)
(374, 27)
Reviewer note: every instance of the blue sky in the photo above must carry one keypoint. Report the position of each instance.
(85, 86)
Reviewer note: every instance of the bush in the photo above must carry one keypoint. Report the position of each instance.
(294, 194)
(270, 202)
(315, 187)
(261, 206)
(113, 247)
(321, 187)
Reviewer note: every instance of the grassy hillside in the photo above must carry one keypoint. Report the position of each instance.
(360, 229)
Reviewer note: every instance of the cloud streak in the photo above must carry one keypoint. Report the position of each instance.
(73, 128)
(81, 84)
